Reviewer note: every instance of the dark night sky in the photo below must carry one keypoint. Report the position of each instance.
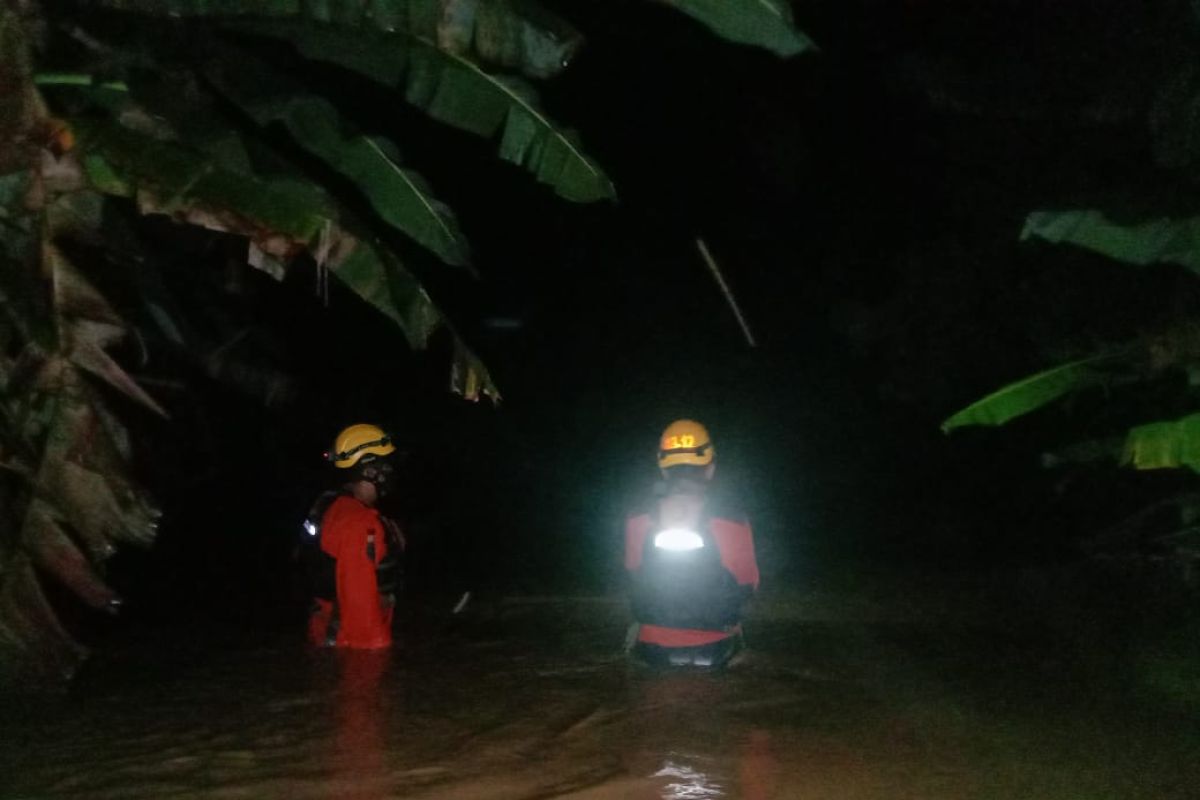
(865, 203)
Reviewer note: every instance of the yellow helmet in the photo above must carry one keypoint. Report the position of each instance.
(357, 441)
(685, 442)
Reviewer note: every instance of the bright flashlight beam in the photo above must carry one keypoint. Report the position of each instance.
(678, 539)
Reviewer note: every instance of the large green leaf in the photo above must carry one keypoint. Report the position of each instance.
(280, 217)
(761, 23)
(1164, 239)
(1165, 445)
(458, 92)
(399, 196)
(1030, 393)
(513, 34)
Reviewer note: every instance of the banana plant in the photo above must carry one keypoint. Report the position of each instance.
(512, 34)
(1126, 372)
(515, 35)
(65, 478)
(1157, 240)
(1031, 393)
(760, 23)
(1140, 230)
(174, 108)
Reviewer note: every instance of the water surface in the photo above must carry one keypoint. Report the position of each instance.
(532, 698)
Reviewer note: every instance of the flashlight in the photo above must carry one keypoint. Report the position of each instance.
(678, 539)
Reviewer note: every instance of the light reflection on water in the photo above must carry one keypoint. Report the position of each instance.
(360, 710)
(688, 783)
(544, 706)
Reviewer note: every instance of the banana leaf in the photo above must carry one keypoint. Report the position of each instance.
(1030, 394)
(30, 631)
(469, 377)
(761, 23)
(52, 550)
(87, 326)
(281, 217)
(1168, 444)
(453, 90)
(69, 497)
(399, 196)
(512, 34)
(65, 497)
(1171, 240)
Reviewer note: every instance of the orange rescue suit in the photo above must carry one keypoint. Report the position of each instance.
(735, 544)
(347, 530)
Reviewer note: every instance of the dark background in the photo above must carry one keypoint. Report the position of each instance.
(865, 203)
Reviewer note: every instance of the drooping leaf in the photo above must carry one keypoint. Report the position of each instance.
(1164, 239)
(281, 217)
(29, 627)
(73, 497)
(80, 467)
(469, 377)
(376, 276)
(65, 497)
(458, 92)
(1030, 394)
(761, 23)
(1165, 445)
(513, 34)
(88, 327)
(399, 196)
(53, 551)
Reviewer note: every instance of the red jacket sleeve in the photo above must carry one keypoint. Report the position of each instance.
(636, 529)
(736, 543)
(347, 524)
(331, 528)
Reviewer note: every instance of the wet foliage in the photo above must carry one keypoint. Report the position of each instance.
(224, 116)
(1146, 221)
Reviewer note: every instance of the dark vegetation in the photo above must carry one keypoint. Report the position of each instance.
(901, 215)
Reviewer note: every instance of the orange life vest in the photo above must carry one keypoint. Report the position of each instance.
(735, 547)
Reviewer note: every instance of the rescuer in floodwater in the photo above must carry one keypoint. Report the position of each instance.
(691, 561)
(352, 551)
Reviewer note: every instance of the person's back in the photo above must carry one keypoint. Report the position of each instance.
(691, 561)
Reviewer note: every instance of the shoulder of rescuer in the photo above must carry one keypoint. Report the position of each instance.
(728, 528)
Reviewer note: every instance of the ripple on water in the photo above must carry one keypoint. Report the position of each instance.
(840, 712)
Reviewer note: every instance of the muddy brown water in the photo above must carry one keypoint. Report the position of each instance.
(532, 698)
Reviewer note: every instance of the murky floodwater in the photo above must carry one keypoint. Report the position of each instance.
(533, 699)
